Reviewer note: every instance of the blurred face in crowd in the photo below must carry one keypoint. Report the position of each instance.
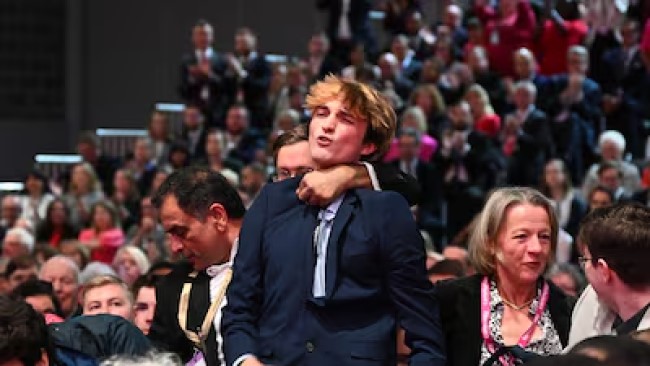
(192, 118)
(524, 65)
(478, 61)
(460, 116)
(142, 151)
(87, 151)
(610, 178)
(126, 267)
(146, 208)
(236, 120)
(317, 46)
(453, 16)
(63, 281)
(122, 182)
(10, 209)
(41, 303)
(244, 43)
(554, 174)
(202, 36)
(13, 246)
(413, 23)
(524, 98)
(408, 147)
(213, 145)
(475, 103)
(387, 67)
(200, 241)
(358, 55)
(158, 179)
(108, 299)
(599, 199)
(566, 283)
(423, 100)
(81, 179)
(58, 214)
(523, 244)
(158, 126)
(71, 250)
(102, 219)
(293, 160)
(399, 47)
(251, 180)
(21, 276)
(609, 151)
(336, 136)
(34, 186)
(144, 308)
(577, 63)
(630, 33)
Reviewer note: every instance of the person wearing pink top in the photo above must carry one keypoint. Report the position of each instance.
(413, 117)
(105, 236)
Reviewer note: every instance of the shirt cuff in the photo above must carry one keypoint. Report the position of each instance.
(242, 358)
(373, 176)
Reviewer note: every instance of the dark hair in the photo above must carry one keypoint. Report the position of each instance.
(447, 267)
(615, 350)
(88, 137)
(544, 188)
(45, 229)
(603, 189)
(196, 188)
(20, 262)
(620, 235)
(36, 287)
(160, 265)
(293, 136)
(146, 280)
(606, 165)
(23, 333)
(572, 271)
(39, 176)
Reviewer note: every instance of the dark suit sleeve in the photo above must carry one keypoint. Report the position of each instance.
(392, 179)
(411, 292)
(238, 323)
(165, 333)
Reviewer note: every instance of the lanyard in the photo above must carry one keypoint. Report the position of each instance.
(199, 337)
(485, 319)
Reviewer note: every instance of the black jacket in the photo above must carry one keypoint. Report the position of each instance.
(460, 314)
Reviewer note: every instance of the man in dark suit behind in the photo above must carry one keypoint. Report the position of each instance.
(332, 296)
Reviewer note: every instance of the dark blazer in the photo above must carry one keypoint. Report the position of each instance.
(254, 87)
(191, 88)
(357, 16)
(390, 178)
(534, 147)
(460, 312)
(165, 331)
(375, 275)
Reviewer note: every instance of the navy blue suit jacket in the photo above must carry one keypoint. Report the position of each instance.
(375, 276)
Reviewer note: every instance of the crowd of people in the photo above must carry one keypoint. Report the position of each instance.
(515, 130)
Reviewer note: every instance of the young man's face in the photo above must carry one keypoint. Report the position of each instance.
(336, 136)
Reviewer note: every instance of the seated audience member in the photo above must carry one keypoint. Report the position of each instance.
(42, 253)
(241, 140)
(612, 147)
(446, 269)
(615, 250)
(568, 278)
(130, 263)
(214, 156)
(104, 236)
(40, 295)
(414, 118)
(63, 274)
(17, 242)
(84, 191)
(144, 293)
(106, 294)
(76, 251)
(610, 176)
(56, 226)
(148, 234)
(25, 337)
(485, 120)
(19, 270)
(10, 212)
(430, 100)
(599, 197)
(511, 247)
(126, 198)
(613, 350)
(569, 206)
(179, 157)
(153, 358)
(36, 197)
(253, 178)
(142, 167)
(95, 269)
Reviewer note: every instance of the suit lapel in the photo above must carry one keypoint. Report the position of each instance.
(341, 220)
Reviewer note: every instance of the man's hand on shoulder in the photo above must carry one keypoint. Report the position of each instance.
(322, 187)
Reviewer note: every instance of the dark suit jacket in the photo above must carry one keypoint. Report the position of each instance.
(255, 88)
(375, 275)
(357, 16)
(165, 331)
(392, 179)
(534, 148)
(460, 312)
(190, 88)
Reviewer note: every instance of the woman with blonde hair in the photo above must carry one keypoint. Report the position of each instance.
(430, 100)
(129, 263)
(507, 312)
(485, 120)
(84, 190)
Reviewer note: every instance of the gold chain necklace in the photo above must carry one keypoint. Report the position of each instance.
(515, 306)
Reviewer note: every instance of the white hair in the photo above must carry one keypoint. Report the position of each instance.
(614, 137)
(94, 269)
(138, 256)
(25, 237)
(526, 84)
(61, 259)
(152, 358)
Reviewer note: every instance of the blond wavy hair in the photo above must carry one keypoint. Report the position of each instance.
(364, 102)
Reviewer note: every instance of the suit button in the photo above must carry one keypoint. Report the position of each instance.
(310, 347)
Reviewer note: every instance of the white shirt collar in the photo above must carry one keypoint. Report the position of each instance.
(215, 269)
